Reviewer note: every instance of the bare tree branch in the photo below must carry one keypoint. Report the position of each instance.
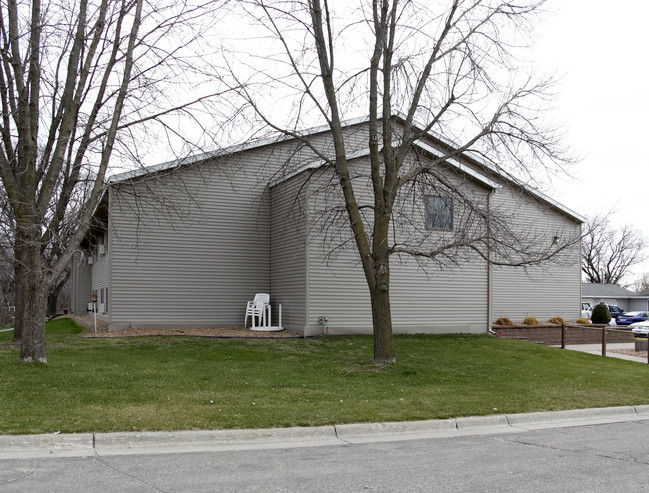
(445, 70)
(608, 253)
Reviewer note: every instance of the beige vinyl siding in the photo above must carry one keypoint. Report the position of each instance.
(453, 300)
(449, 299)
(100, 269)
(288, 253)
(637, 305)
(336, 286)
(81, 284)
(195, 245)
(337, 290)
(194, 257)
(441, 300)
(552, 289)
(201, 240)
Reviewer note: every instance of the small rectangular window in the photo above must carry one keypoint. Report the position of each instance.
(439, 213)
(104, 300)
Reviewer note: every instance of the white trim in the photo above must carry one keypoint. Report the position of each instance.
(127, 175)
(316, 164)
(459, 166)
(365, 152)
(553, 202)
(475, 157)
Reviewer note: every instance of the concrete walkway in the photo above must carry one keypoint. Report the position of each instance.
(125, 443)
(597, 349)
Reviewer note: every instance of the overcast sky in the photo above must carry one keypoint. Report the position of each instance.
(600, 49)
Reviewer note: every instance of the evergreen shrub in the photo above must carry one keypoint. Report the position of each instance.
(601, 314)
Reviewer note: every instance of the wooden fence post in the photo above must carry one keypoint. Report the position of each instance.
(604, 341)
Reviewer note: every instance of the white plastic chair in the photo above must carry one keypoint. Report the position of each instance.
(257, 308)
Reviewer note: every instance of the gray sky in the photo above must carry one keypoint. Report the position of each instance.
(600, 50)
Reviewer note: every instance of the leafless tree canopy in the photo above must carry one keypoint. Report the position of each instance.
(448, 67)
(608, 253)
(81, 84)
(641, 285)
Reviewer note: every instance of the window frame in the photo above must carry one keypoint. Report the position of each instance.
(433, 219)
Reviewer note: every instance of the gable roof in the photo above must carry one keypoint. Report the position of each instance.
(602, 290)
(255, 144)
(246, 146)
(454, 163)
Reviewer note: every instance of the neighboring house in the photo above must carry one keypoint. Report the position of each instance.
(612, 294)
(188, 243)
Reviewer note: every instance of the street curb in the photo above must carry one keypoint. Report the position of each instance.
(216, 440)
(125, 443)
(60, 445)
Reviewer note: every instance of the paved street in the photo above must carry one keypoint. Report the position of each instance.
(603, 457)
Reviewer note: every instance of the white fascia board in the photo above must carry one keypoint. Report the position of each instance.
(149, 170)
(317, 164)
(459, 166)
(127, 175)
(365, 152)
(554, 203)
(104, 191)
(475, 157)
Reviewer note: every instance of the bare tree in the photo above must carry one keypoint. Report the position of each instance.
(448, 67)
(641, 285)
(77, 82)
(608, 253)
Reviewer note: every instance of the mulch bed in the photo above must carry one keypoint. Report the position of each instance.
(629, 352)
(220, 332)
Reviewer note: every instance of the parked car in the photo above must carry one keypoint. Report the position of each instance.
(615, 310)
(629, 318)
(640, 329)
(586, 310)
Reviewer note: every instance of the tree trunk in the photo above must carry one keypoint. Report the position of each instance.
(32, 297)
(18, 295)
(32, 347)
(382, 323)
(52, 300)
(53, 296)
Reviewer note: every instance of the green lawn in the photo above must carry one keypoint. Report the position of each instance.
(174, 383)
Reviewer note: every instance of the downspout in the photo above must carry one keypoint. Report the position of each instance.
(489, 273)
(269, 194)
(109, 261)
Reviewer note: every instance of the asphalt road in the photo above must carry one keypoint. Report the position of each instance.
(603, 457)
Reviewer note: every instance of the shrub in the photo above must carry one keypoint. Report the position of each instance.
(601, 314)
(504, 321)
(583, 320)
(531, 321)
(557, 320)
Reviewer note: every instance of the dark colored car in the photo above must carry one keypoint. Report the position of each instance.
(629, 318)
(615, 310)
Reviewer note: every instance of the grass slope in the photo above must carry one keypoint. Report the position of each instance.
(174, 383)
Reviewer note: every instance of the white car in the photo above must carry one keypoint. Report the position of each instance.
(640, 329)
(586, 310)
